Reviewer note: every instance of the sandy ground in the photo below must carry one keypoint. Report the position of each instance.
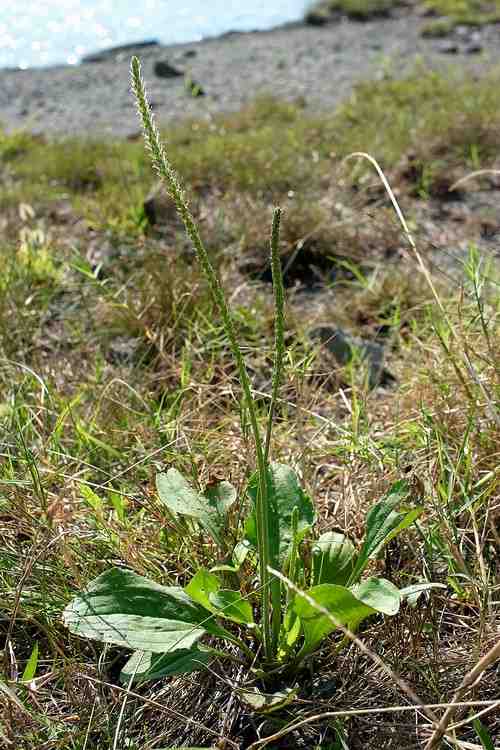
(320, 64)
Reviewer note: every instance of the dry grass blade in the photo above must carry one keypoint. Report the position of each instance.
(156, 704)
(469, 679)
(466, 359)
(478, 173)
(372, 712)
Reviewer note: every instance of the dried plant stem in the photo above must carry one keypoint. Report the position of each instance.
(469, 680)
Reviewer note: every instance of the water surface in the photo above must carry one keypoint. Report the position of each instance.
(37, 33)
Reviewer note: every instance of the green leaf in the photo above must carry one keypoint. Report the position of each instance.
(333, 558)
(483, 734)
(291, 629)
(379, 594)
(144, 666)
(31, 665)
(180, 498)
(201, 585)
(412, 593)
(123, 608)
(221, 496)
(284, 494)
(383, 523)
(92, 499)
(267, 702)
(230, 605)
(343, 605)
(205, 588)
(240, 553)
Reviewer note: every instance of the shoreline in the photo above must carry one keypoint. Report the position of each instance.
(109, 53)
(319, 65)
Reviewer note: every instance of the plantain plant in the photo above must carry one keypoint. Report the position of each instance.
(271, 629)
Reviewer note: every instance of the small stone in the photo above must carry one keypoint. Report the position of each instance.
(111, 53)
(343, 346)
(190, 53)
(123, 350)
(163, 69)
(473, 49)
(449, 48)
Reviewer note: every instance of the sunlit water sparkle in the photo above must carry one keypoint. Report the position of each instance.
(37, 33)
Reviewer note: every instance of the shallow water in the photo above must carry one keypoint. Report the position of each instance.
(37, 33)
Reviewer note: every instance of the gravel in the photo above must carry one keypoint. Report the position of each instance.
(318, 64)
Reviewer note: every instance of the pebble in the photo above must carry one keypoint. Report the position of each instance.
(449, 48)
(163, 69)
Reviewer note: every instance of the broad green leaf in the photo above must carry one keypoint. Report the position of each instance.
(123, 608)
(178, 495)
(221, 496)
(333, 558)
(31, 665)
(201, 585)
(205, 588)
(339, 601)
(180, 498)
(230, 605)
(144, 665)
(383, 523)
(284, 494)
(379, 594)
(267, 702)
(119, 504)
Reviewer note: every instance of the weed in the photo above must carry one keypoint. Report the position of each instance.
(115, 367)
(165, 625)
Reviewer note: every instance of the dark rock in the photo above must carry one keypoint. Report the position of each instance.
(111, 52)
(134, 135)
(190, 53)
(163, 69)
(123, 350)
(473, 49)
(343, 347)
(449, 48)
